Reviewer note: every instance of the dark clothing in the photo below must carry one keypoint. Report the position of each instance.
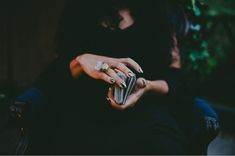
(79, 120)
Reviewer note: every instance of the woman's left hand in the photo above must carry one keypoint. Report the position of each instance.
(139, 90)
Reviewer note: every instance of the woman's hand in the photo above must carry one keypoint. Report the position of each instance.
(87, 63)
(140, 89)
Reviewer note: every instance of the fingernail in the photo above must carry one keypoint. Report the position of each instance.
(123, 84)
(141, 71)
(112, 81)
(131, 74)
(110, 88)
(145, 83)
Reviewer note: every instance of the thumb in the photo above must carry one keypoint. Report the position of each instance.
(141, 82)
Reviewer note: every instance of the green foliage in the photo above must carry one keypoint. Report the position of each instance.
(198, 56)
(207, 45)
(195, 8)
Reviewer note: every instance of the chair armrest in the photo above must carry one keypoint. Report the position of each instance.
(206, 125)
(206, 115)
(27, 106)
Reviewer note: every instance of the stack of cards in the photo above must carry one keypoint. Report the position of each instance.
(121, 94)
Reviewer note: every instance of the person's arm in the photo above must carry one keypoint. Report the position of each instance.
(87, 63)
(172, 77)
(158, 86)
(171, 83)
(169, 86)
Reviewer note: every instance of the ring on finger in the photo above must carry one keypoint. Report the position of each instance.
(102, 66)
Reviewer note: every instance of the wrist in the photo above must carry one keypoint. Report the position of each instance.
(158, 86)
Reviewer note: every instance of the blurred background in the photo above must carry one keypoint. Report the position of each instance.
(27, 32)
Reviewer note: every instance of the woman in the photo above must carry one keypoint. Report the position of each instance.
(125, 35)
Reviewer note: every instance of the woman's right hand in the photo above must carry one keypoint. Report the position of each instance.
(87, 63)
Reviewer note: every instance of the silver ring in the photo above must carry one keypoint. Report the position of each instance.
(101, 66)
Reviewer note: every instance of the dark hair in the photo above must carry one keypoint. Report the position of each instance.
(160, 18)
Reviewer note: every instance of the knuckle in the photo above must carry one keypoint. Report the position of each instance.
(127, 70)
(115, 64)
(112, 73)
(119, 64)
(128, 59)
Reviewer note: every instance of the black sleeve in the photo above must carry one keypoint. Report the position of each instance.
(173, 77)
(180, 82)
(182, 89)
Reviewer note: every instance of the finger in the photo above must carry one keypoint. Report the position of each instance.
(106, 78)
(131, 101)
(110, 93)
(130, 62)
(144, 82)
(117, 79)
(115, 105)
(134, 97)
(123, 68)
(141, 83)
(112, 101)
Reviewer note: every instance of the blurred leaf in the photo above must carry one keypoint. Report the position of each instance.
(205, 48)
